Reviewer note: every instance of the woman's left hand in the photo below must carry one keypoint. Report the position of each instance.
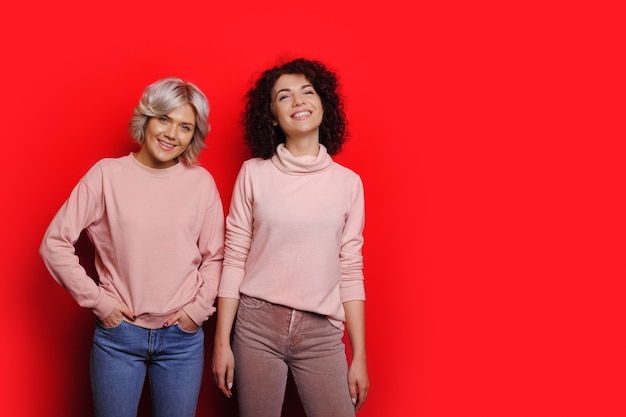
(183, 320)
(358, 382)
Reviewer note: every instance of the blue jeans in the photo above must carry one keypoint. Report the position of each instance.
(121, 356)
(268, 341)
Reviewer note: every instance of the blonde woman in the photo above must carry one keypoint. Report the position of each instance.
(156, 221)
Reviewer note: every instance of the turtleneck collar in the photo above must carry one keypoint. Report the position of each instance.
(309, 164)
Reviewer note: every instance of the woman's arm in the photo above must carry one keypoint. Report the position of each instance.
(358, 379)
(223, 363)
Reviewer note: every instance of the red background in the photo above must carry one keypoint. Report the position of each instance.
(490, 141)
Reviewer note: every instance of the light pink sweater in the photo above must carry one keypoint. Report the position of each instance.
(294, 234)
(158, 235)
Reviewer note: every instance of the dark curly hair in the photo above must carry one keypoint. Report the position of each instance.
(262, 137)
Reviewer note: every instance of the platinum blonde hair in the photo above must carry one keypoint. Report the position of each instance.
(163, 96)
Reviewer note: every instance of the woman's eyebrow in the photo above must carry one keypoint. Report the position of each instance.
(283, 90)
(287, 89)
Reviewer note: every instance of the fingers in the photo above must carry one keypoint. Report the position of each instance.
(127, 313)
(224, 381)
(178, 317)
(171, 319)
(116, 316)
(226, 388)
(223, 367)
(184, 321)
(360, 402)
(353, 394)
(229, 383)
(361, 396)
(358, 394)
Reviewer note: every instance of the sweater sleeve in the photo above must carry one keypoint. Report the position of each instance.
(57, 250)
(211, 245)
(238, 236)
(350, 256)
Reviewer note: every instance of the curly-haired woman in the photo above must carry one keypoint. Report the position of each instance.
(292, 281)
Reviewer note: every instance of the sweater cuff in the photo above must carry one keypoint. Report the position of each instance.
(105, 306)
(198, 313)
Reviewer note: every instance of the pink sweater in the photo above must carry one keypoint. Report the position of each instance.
(294, 234)
(158, 236)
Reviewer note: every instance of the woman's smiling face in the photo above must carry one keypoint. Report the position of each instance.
(166, 137)
(296, 106)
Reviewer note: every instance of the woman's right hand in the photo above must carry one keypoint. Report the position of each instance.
(117, 315)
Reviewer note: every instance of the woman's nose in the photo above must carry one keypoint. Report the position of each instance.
(298, 99)
(170, 131)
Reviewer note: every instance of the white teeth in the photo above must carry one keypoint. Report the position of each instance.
(301, 114)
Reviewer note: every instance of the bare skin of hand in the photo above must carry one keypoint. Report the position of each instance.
(223, 367)
(120, 312)
(358, 382)
(183, 320)
(223, 361)
(117, 316)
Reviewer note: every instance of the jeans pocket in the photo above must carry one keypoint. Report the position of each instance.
(252, 303)
(102, 326)
(188, 331)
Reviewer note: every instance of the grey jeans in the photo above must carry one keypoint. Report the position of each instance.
(271, 339)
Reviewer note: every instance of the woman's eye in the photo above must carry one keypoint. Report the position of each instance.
(281, 98)
(186, 128)
(163, 119)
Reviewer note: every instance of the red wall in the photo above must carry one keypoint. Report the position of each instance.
(490, 141)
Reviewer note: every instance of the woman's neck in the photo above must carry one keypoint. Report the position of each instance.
(303, 146)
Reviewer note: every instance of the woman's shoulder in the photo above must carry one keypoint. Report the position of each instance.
(345, 171)
(200, 172)
(112, 161)
(109, 163)
(255, 163)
